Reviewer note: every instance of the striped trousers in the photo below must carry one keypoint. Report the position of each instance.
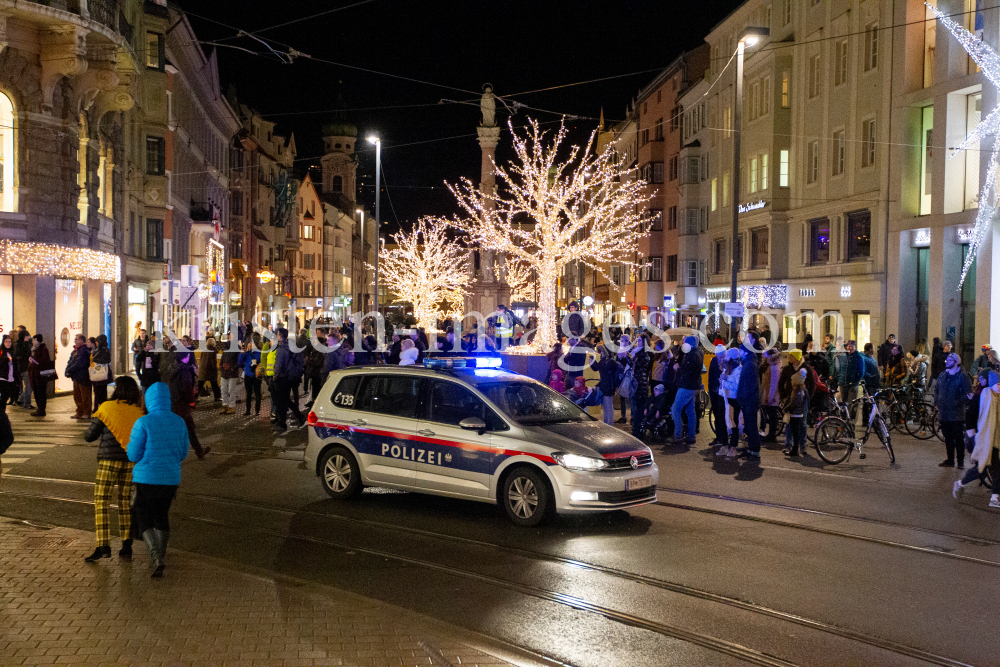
(109, 474)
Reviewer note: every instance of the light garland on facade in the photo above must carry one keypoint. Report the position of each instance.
(989, 62)
(425, 268)
(47, 259)
(549, 212)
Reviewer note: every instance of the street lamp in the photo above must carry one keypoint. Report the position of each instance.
(372, 139)
(364, 264)
(748, 37)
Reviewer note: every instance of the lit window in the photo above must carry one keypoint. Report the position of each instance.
(725, 188)
(785, 101)
(763, 171)
(753, 175)
(783, 169)
(154, 51)
(7, 130)
(715, 193)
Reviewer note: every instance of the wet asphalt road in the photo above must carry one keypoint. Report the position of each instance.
(781, 563)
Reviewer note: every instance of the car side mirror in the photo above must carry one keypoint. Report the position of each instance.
(473, 424)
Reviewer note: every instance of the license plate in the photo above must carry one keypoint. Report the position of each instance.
(638, 483)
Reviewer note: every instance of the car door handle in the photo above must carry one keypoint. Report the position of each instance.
(425, 431)
(359, 422)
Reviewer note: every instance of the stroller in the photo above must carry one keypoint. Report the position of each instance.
(662, 426)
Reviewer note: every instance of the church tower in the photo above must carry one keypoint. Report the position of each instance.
(339, 163)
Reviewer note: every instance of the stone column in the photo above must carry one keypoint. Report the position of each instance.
(488, 139)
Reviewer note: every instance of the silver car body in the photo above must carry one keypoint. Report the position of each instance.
(442, 459)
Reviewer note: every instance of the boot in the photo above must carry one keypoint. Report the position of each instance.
(161, 544)
(99, 552)
(126, 550)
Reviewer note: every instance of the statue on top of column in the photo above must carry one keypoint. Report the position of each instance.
(489, 106)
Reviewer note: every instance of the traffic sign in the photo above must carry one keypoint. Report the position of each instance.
(734, 309)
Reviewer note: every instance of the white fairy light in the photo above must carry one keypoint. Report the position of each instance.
(989, 63)
(48, 259)
(518, 275)
(426, 269)
(548, 212)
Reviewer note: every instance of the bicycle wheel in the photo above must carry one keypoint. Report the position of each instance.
(919, 421)
(711, 422)
(833, 440)
(897, 418)
(937, 427)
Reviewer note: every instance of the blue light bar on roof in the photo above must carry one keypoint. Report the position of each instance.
(462, 362)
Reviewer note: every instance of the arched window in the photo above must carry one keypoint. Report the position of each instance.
(338, 184)
(7, 129)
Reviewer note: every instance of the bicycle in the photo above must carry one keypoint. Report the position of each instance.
(920, 420)
(835, 437)
(892, 407)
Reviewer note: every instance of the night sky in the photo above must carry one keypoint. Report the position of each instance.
(517, 46)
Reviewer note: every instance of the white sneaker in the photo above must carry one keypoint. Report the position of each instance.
(957, 489)
(994, 502)
(723, 451)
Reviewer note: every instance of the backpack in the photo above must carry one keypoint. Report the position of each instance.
(296, 365)
(628, 383)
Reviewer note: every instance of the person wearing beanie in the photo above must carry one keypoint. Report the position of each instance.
(950, 392)
(688, 381)
(798, 410)
(987, 435)
(718, 402)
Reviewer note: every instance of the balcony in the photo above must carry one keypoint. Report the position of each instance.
(106, 12)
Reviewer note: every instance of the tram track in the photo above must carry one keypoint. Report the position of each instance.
(699, 639)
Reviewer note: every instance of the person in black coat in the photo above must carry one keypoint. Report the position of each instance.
(608, 368)
(688, 380)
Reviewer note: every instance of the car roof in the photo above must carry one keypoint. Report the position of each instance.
(472, 376)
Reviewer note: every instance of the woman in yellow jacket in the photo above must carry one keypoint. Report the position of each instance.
(267, 358)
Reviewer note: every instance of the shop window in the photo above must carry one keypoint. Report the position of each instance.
(154, 239)
(859, 239)
(759, 239)
(819, 241)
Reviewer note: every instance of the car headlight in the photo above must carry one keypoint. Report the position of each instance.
(577, 462)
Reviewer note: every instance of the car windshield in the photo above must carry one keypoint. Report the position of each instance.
(530, 404)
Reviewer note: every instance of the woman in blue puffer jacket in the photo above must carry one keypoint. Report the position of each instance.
(158, 444)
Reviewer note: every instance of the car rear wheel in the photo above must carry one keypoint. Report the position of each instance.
(339, 474)
(526, 497)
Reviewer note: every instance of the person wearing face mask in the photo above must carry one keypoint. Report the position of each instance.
(985, 435)
(950, 394)
(688, 381)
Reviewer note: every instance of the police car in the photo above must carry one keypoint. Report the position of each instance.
(456, 428)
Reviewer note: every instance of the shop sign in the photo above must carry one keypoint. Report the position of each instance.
(265, 276)
(588, 301)
(235, 299)
(921, 238)
(845, 291)
(136, 295)
(734, 309)
(319, 303)
(964, 234)
(752, 206)
(807, 292)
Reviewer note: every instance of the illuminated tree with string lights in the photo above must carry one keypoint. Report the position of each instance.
(519, 276)
(426, 269)
(548, 211)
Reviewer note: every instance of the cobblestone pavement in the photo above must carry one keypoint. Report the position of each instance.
(56, 609)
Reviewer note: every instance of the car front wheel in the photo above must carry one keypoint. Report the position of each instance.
(339, 474)
(526, 497)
